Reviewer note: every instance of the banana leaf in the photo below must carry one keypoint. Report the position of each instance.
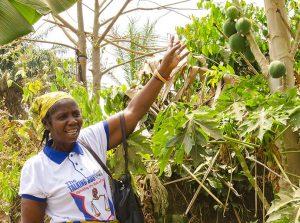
(18, 16)
(58, 6)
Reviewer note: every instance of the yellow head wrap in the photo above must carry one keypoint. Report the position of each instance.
(43, 103)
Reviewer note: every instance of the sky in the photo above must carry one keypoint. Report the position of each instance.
(165, 25)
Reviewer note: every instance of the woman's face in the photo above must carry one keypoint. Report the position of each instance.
(64, 124)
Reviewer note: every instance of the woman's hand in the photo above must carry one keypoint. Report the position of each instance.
(171, 58)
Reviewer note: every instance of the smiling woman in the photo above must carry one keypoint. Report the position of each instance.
(64, 180)
(63, 121)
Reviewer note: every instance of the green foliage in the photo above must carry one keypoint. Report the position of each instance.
(17, 142)
(21, 15)
(216, 74)
(139, 151)
(90, 110)
(180, 131)
(12, 18)
(285, 208)
(114, 99)
(141, 41)
(202, 35)
(23, 60)
(258, 112)
(25, 67)
(246, 116)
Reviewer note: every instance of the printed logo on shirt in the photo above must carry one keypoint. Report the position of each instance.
(91, 197)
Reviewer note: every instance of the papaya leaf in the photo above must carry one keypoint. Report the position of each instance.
(189, 140)
(137, 146)
(295, 121)
(138, 141)
(197, 153)
(238, 110)
(207, 121)
(285, 207)
(201, 138)
(258, 122)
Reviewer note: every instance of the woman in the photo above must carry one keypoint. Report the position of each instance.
(64, 181)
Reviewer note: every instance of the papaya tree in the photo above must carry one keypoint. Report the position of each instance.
(233, 124)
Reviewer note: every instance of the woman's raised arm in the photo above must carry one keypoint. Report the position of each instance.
(141, 103)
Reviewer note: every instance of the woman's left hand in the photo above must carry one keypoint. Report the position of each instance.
(171, 58)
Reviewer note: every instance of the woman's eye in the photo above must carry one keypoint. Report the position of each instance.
(77, 114)
(62, 117)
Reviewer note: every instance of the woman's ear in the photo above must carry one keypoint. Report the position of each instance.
(46, 123)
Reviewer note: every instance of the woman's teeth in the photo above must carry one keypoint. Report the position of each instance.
(72, 132)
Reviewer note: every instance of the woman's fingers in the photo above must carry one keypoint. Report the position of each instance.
(171, 42)
(176, 49)
(184, 55)
(180, 49)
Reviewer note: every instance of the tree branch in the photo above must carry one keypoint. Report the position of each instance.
(85, 5)
(129, 41)
(260, 58)
(62, 27)
(172, 9)
(105, 6)
(124, 48)
(136, 58)
(50, 42)
(296, 42)
(66, 24)
(96, 26)
(248, 63)
(145, 9)
(285, 23)
(112, 22)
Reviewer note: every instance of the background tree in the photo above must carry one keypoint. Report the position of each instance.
(145, 40)
(21, 63)
(102, 36)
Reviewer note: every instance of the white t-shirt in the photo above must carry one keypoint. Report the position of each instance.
(73, 184)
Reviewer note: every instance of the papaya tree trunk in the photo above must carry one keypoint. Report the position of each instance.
(96, 65)
(81, 53)
(280, 48)
(97, 74)
(280, 42)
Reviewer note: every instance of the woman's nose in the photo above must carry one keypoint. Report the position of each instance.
(72, 120)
